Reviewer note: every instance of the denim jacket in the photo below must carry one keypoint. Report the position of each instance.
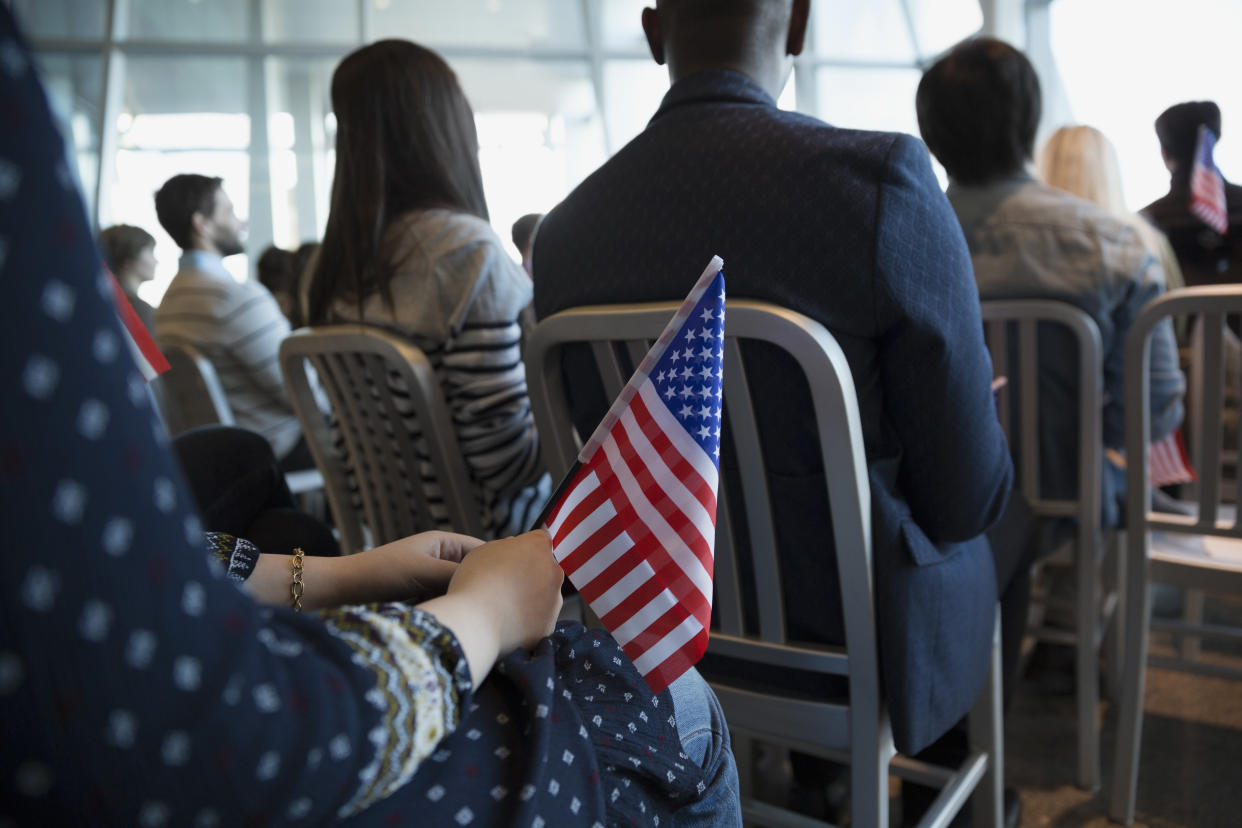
(1029, 241)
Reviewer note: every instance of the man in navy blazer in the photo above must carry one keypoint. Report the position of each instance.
(851, 229)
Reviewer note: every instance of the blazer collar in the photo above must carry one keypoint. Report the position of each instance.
(715, 86)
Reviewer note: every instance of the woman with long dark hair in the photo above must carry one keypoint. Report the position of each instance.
(408, 248)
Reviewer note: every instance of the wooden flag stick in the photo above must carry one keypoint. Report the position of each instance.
(556, 495)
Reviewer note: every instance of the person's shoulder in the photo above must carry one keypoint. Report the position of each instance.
(445, 219)
(1164, 207)
(439, 231)
(190, 284)
(1233, 196)
(842, 142)
(1036, 203)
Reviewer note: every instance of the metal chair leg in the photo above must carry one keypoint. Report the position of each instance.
(1086, 670)
(987, 734)
(1130, 717)
(1116, 640)
(869, 784)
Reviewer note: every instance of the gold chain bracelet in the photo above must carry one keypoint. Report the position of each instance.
(298, 586)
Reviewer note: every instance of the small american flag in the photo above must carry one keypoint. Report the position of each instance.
(635, 529)
(1167, 463)
(1207, 188)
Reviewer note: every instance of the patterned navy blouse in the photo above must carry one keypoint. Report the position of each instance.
(139, 686)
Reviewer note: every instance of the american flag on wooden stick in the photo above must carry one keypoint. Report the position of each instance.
(1207, 188)
(635, 527)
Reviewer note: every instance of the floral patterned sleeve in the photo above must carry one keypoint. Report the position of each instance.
(421, 682)
(421, 676)
(237, 555)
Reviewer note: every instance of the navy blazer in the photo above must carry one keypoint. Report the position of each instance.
(851, 229)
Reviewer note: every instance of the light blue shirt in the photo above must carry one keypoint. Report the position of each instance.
(203, 261)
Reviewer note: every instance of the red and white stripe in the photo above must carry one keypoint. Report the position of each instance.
(1208, 199)
(1207, 187)
(1167, 463)
(635, 534)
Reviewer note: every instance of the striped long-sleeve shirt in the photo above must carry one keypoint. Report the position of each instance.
(458, 296)
(238, 327)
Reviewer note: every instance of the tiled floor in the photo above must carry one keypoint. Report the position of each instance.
(1190, 774)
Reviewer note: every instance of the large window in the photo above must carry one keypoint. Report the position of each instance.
(1124, 66)
(240, 89)
(178, 114)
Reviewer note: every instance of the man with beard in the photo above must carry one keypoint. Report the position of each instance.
(237, 326)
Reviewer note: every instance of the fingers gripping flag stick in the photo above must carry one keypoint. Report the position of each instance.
(635, 528)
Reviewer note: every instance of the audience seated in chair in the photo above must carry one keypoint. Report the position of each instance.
(978, 109)
(408, 248)
(849, 228)
(1206, 256)
(238, 327)
(170, 697)
(1083, 162)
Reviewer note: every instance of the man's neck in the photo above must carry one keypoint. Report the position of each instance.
(199, 259)
(771, 80)
(204, 247)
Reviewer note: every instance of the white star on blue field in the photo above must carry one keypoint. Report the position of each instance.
(688, 375)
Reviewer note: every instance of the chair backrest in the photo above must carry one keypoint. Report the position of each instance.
(1231, 364)
(189, 393)
(395, 468)
(1012, 329)
(619, 336)
(1211, 304)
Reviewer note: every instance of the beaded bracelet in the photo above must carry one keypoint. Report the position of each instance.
(298, 586)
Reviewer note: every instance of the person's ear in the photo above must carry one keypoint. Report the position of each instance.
(796, 37)
(198, 225)
(655, 35)
(1169, 163)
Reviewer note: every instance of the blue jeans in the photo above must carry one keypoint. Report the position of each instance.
(705, 739)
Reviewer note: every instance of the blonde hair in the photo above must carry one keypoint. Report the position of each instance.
(1081, 160)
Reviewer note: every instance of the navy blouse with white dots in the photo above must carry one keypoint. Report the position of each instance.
(140, 686)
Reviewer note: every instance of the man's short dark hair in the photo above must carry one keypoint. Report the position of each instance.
(1178, 128)
(180, 198)
(122, 243)
(721, 31)
(978, 109)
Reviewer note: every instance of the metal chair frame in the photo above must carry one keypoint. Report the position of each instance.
(1150, 559)
(1090, 548)
(353, 364)
(856, 732)
(189, 393)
